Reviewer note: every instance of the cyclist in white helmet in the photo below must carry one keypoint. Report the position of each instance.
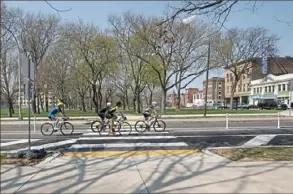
(149, 112)
(102, 112)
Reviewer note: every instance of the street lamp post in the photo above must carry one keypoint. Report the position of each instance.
(19, 86)
(207, 79)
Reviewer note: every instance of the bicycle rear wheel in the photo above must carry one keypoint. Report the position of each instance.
(124, 128)
(140, 126)
(47, 129)
(66, 128)
(96, 125)
(159, 126)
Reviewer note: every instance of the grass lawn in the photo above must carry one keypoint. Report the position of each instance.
(183, 111)
(70, 113)
(188, 111)
(257, 154)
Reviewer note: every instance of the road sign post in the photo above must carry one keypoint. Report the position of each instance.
(28, 72)
(290, 89)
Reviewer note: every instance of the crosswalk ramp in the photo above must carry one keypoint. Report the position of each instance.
(149, 140)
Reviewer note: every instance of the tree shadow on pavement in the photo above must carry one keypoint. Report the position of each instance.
(164, 174)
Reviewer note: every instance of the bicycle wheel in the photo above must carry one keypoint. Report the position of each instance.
(95, 126)
(104, 130)
(159, 126)
(124, 128)
(47, 129)
(140, 126)
(66, 128)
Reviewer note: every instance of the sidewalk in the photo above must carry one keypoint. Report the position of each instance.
(191, 173)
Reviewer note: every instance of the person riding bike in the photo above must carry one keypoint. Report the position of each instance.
(150, 112)
(55, 110)
(111, 114)
(103, 111)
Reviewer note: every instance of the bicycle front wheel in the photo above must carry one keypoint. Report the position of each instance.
(124, 128)
(159, 126)
(95, 126)
(140, 126)
(47, 129)
(66, 128)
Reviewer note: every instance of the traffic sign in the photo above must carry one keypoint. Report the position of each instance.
(25, 62)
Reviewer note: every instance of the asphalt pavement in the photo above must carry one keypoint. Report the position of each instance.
(178, 136)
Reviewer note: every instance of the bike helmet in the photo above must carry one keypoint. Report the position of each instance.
(108, 104)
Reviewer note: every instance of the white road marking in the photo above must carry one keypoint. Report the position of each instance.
(17, 142)
(259, 140)
(248, 135)
(133, 132)
(128, 145)
(128, 137)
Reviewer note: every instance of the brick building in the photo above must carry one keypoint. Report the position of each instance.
(275, 66)
(216, 89)
(188, 96)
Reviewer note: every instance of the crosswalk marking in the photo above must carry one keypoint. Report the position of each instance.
(133, 132)
(259, 140)
(127, 137)
(17, 142)
(127, 145)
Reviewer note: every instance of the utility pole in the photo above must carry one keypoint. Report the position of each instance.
(19, 86)
(207, 80)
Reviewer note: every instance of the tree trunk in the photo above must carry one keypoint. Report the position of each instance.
(179, 97)
(42, 103)
(83, 103)
(10, 108)
(138, 103)
(95, 101)
(47, 102)
(163, 102)
(127, 100)
(232, 95)
(134, 103)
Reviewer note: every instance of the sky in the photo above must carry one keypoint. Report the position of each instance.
(269, 14)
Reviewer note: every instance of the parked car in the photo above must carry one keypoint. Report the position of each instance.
(272, 105)
(243, 106)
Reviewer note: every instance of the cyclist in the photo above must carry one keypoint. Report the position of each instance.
(57, 109)
(111, 114)
(150, 112)
(103, 111)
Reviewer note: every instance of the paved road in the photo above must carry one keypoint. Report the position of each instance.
(174, 138)
(174, 124)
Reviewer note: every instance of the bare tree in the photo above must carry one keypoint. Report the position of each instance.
(237, 47)
(99, 53)
(37, 33)
(8, 63)
(163, 47)
(131, 46)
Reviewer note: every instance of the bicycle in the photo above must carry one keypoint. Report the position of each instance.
(56, 126)
(155, 123)
(103, 127)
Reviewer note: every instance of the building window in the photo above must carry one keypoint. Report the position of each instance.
(260, 89)
(254, 90)
(266, 89)
(219, 97)
(279, 88)
(273, 88)
(219, 93)
(243, 87)
(284, 87)
(227, 77)
(270, 89)
(227, 89)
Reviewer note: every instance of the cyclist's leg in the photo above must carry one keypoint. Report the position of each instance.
(113, 119)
